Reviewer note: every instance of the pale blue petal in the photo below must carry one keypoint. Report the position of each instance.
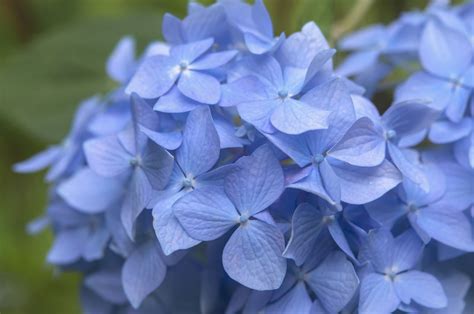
(155, 76)
(319, 61)
(340, 238)
(295, 147)
(142, 273)
(168, 229)
(362, 145)
(409, 169)
(213, 60)
(253, 256)
(377, 295)
(157, 164)
(258, 113)
(68, 246)
(420, 287)
(312, 183)
(364, 38)
(448, 227)
(175, 102)
(409, 117)
(200, 148)
(406, 251)
(96, 244)
(200, 87)
(444, 51)
(377, 250)
(458, 103)
(330, 182)
(171, 28)
(121, 63)
(360, 185)
(243, 90)
(258, 183)
(306, 224)
(169, 140)
(191, 51)
(206, 214)
(358, 62)
(334, 282)
(90, 193)
(295, 117)
(39, 161)
(445, 131)
(106, 156)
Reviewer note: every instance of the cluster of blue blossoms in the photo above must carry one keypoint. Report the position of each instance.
(235, 171)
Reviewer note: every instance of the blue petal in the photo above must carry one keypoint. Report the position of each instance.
(360, 185)
(420, 287)
(320, 59)
(245, 89)
(171, 28)
(407, 167)
(192, 51)
(358, 62)
(175, 102)
(409, 117)
(121, 63)
(138, 196)
(169, 140)
(168, 230)
(334, 282)
(90, 193)
(312, 183)
(459, 194)
(444, 51)
(142, 273)
(68, 246)
(96, 244)
(406, 251)
(258, 113)
(106, 156)
(157, 164)
(330, 182)
(306, 224)
(377, 295)
(200, 87)
(296, 147)
(339, 237)
(262, 19)
(213, 60)
(458, 103)
(296, 300)
(257, 184)
(206, 214)
(448, 227)
(362, 145)
(252, 256)
(200, 148)
(377, 249)
(445, 131)
(295, 117)
(365, 38)
(387, 209)
(39, 161)
(155, 76)
(365, 108)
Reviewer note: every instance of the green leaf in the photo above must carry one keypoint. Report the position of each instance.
(41, 86)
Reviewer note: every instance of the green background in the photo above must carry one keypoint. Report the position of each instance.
(52, 55)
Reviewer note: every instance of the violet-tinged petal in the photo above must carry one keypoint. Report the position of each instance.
(420, 287)
(106, 156)
(377, 295)
(306, 224)
(142, 273)
(252, 256)
(362, 145)
(200, 148)
(200, 87)
(206, 214)
(295, 117)
(258, 183)
(155, 76)
(334, 282)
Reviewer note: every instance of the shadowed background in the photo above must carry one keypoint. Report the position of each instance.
(52, 55)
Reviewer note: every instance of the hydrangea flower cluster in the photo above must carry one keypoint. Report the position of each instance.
(234, 171)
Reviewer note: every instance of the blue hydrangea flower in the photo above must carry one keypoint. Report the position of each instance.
(392, 279)
(63, 158)
(252, 256)
(189, 66)
(192, 171)
(143, 165)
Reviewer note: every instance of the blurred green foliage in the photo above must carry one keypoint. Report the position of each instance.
(52, 55)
